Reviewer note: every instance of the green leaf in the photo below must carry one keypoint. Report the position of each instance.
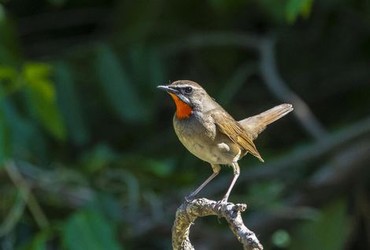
(158, 168)
(98, 158)
(281, 238)
(42, 98)
(294, 8)
(88, 229)
(329, 231)
(274, 8)
(119, 89)
(39, 242)
(19, 136)
(147, 65)
(108, 205)
(8, 79)
(258, 192)
(287, 10)
(69, 104)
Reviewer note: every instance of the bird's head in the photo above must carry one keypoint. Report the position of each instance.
(187, 95)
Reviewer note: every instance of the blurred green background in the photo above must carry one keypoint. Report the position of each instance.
(88, 155)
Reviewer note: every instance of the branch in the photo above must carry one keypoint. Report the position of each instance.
(188, 212)
(26, 194)
(280, 89)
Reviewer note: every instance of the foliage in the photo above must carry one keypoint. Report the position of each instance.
(89, 230)
(326, 224)
(88, 157)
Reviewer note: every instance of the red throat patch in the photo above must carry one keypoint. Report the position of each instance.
(183, 110)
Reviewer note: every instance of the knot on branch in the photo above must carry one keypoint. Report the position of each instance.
(188, 212)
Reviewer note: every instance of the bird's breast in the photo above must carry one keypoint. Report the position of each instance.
(201, 137)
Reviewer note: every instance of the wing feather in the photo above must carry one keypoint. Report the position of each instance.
(228, 126)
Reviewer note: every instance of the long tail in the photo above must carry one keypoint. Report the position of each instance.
(256, 124)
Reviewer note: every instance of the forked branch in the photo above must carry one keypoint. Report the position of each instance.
(188, 212)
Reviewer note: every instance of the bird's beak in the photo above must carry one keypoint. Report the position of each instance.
(174, 92)
(168, 89)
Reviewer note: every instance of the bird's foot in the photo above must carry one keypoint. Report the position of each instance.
(189, 198)
(224, 199)
(221, 203)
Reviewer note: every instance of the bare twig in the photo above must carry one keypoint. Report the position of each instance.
(26, 194)
(12, 218)
(188, 212)
(54, 182)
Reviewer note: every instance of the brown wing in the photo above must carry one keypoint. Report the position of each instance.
(228, 126)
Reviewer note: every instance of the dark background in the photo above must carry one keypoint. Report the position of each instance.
(88, 155)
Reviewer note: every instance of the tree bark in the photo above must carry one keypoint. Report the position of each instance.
(188, 212)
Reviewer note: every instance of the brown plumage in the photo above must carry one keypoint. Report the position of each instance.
(212, 134)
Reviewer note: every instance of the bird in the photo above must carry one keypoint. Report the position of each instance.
(212, 134)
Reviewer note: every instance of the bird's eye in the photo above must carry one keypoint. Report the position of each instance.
(188, 90)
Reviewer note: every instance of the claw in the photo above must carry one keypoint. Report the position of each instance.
(221, 203)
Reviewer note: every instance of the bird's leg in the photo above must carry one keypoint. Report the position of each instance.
(216, 169)
(236, 169)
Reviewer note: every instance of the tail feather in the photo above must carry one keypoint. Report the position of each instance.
(256, 124)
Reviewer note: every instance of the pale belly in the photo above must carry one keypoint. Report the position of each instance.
(206, 144)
